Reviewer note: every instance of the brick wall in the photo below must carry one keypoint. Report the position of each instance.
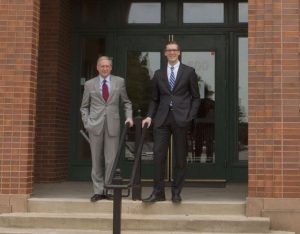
(19, 28)
(53, 95)
(274, 99)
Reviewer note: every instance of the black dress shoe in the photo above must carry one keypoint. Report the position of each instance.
(176, 198)
(96, 197)
(107, 197)
(154, 197)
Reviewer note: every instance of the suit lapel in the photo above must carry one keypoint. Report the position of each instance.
(97, 88)
(112, 87)
(165, 78)
(178, 77)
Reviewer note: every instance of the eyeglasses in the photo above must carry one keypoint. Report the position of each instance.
(172, 50)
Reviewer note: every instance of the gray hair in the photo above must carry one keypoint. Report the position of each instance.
(105, 58)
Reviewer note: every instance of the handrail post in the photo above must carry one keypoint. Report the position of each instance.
(117, 205)
(136, 187)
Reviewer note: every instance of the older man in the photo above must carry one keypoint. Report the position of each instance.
(100, 115)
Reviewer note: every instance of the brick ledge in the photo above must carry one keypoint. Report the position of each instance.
(13, 203)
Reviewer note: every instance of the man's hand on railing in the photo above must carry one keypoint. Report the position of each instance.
(129, 122)
(147, 121)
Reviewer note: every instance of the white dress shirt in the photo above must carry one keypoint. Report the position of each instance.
(176, 67)
(107, 83)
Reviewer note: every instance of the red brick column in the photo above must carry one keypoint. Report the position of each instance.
(274, 102)
(274, 130)
(51, 161)
(19, 35)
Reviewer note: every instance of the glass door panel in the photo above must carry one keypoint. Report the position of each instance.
(243, 99)
(207, 148)
(137, 62)
(141, 66)
(201, 143)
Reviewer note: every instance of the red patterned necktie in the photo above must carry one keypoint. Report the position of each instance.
(105, 91)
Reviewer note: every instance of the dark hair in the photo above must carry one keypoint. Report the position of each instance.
(172, 43)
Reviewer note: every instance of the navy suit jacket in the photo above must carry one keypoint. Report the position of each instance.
(185, 96)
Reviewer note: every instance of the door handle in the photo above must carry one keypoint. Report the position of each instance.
(171, 37)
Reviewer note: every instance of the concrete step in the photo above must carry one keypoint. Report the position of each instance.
(137, 222)
(76, 231)
(50, 231)
(136, 207)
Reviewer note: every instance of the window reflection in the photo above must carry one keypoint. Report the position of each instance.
(243, 12)
(203, 12)
(140, 70)
(243, 99)
(201, 136)
(144, 13)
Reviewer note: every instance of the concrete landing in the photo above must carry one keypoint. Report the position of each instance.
(83, 190)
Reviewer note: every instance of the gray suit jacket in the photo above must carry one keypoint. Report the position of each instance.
(95, 111)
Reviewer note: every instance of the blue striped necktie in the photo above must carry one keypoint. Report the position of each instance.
(172, 79)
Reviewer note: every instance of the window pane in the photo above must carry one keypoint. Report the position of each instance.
(243, 99)
(144, 13)
(203, 13)
(141, 66)
(243, 12)
(94, 11)
(201, 140)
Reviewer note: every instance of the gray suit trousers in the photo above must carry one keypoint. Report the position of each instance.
(103, 149)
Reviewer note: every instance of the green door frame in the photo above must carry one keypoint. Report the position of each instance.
(237, 170)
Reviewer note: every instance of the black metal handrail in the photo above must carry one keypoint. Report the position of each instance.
(115, 180)
(137, 160)
(117, 159)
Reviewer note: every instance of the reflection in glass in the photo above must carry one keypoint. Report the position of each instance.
(140, 70)
(243, 99)
(201, 136)
(203, 12)
(144, 13)
(243, 12)
(91, 49)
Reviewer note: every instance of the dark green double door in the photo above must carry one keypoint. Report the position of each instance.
(136, 57)
(140, 56)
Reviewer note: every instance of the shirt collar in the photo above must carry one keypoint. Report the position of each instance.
(175, 66)
(107, 79)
